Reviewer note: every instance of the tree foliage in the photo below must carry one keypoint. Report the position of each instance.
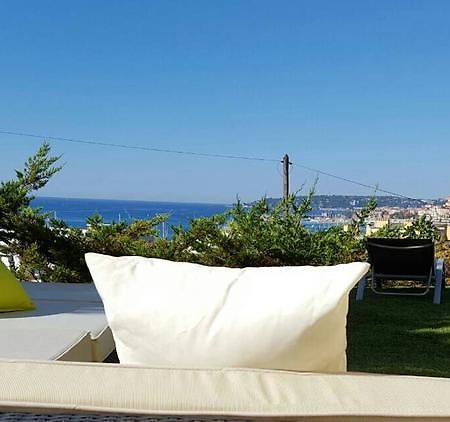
(22, 228)
(259, 235)
(419, 228)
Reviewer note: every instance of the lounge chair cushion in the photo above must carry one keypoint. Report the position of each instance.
(171, 314)
(69, 323)
(12, 295)
(217, 394)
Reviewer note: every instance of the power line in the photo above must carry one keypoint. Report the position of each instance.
(137, 147)
(345, 179)
(203, 154)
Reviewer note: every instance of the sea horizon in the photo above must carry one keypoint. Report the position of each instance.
(131, 200)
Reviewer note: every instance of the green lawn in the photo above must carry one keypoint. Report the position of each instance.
(399, 335)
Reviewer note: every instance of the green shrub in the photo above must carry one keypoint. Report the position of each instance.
(258, 235)
(419, 228)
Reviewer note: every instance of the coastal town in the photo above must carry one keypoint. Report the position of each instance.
(439, 214)
(329, 210)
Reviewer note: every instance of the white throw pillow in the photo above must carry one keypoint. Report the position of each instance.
(177, 314)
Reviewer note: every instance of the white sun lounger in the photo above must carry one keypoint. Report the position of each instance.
(68, 324)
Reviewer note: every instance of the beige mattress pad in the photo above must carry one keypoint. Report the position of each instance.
(65, 387)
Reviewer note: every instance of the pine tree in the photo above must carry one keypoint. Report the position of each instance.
(20, 224)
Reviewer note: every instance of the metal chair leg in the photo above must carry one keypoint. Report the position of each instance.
(360, 290)
(439, 274)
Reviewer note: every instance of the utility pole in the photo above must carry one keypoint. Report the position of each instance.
(286, 164)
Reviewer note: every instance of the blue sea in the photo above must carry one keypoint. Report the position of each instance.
(75, 211)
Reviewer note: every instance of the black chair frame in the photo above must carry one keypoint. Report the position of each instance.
(403, 259)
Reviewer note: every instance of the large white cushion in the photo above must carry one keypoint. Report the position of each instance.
(175, 314)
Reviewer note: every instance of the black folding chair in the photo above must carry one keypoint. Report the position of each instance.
(403, 259)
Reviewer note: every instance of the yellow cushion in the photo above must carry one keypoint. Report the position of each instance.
(12, 295)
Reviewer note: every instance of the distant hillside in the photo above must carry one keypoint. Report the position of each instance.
(350, 202)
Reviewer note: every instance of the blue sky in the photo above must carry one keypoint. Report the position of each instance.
(355, 88)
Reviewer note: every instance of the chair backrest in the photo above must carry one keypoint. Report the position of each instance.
(401, 259)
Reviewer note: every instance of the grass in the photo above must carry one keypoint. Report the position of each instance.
(399, 335)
